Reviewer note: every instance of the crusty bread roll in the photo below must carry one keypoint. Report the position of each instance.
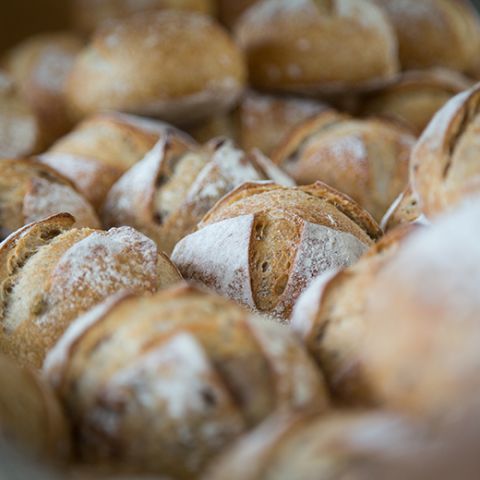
(445, 166)
(317, 46)
(435, 33)
(159, 384)
(366, 159)
(331, 317)
(30, 415)
(263, 244)
(31, 191)
(51, 272)
(173, 187)
(39, 66)
(103, 147)
(414, 97)
(88, 15)
(177, 66)
(421, 350)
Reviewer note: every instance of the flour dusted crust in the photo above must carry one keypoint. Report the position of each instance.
(141, 376)
(263, 244)
(322, 46)
(366, 159)
(444, 165)
(51, 272)
(101, 148)
(31, 191)
(129, 67)
(168, 192)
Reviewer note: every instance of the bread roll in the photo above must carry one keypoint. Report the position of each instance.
(317, 46)
(332, 319)
(30, 415)
(30, 191)
(129, 67)
(51, 272)
(263, 244)
(435, 33)
(159, 384)
(39, 66)
(445, 166)
(366, 159)
(168, 192)
(88, 15)
(103, 147)
(414, 97)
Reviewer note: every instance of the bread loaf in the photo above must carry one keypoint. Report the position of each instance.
(160, 384)
(263, 244)
(51, 272)
(168, 192)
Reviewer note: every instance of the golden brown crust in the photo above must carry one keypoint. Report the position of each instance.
(178, 375)
(107, 73)
(354, 46)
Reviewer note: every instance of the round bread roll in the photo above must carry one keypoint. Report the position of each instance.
(129, 67)
(414, 97)
(173, 187)
(39, 66)
(20, 131)
(88, 15)
(317, 46)
(102, 148)
(229, 11)
(51, 272)
(263, 244)
(331, 317)
(30, 415)
(435, 33)
(445, 166)
(159, 384)
(31, 191)
(421, 350)
(366, 159)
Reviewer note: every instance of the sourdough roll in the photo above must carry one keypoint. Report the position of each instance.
(51, 272)
(103, 147)
(30, 414)
(173, 187)
(129, 66)
(331, 317)
(414, 97)
(317, 46)
(39, 66)
(160, 384)
(263, 244)
(88, 15)
(31, 191)
(445, 165)
(366, 159)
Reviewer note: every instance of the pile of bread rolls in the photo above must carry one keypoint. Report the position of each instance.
(238, 241)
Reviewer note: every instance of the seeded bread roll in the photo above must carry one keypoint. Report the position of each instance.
(435, 33)
(30, 415)
(263, 244)
(366, 159)
(39, 66)
(414, 97)
(129, 67)
(103, 147)
(445, 166)
(88, 15)
(31, 191)
(332, 319)
(317, 46)
(173, 187)
(51, 272)
(159, 384)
